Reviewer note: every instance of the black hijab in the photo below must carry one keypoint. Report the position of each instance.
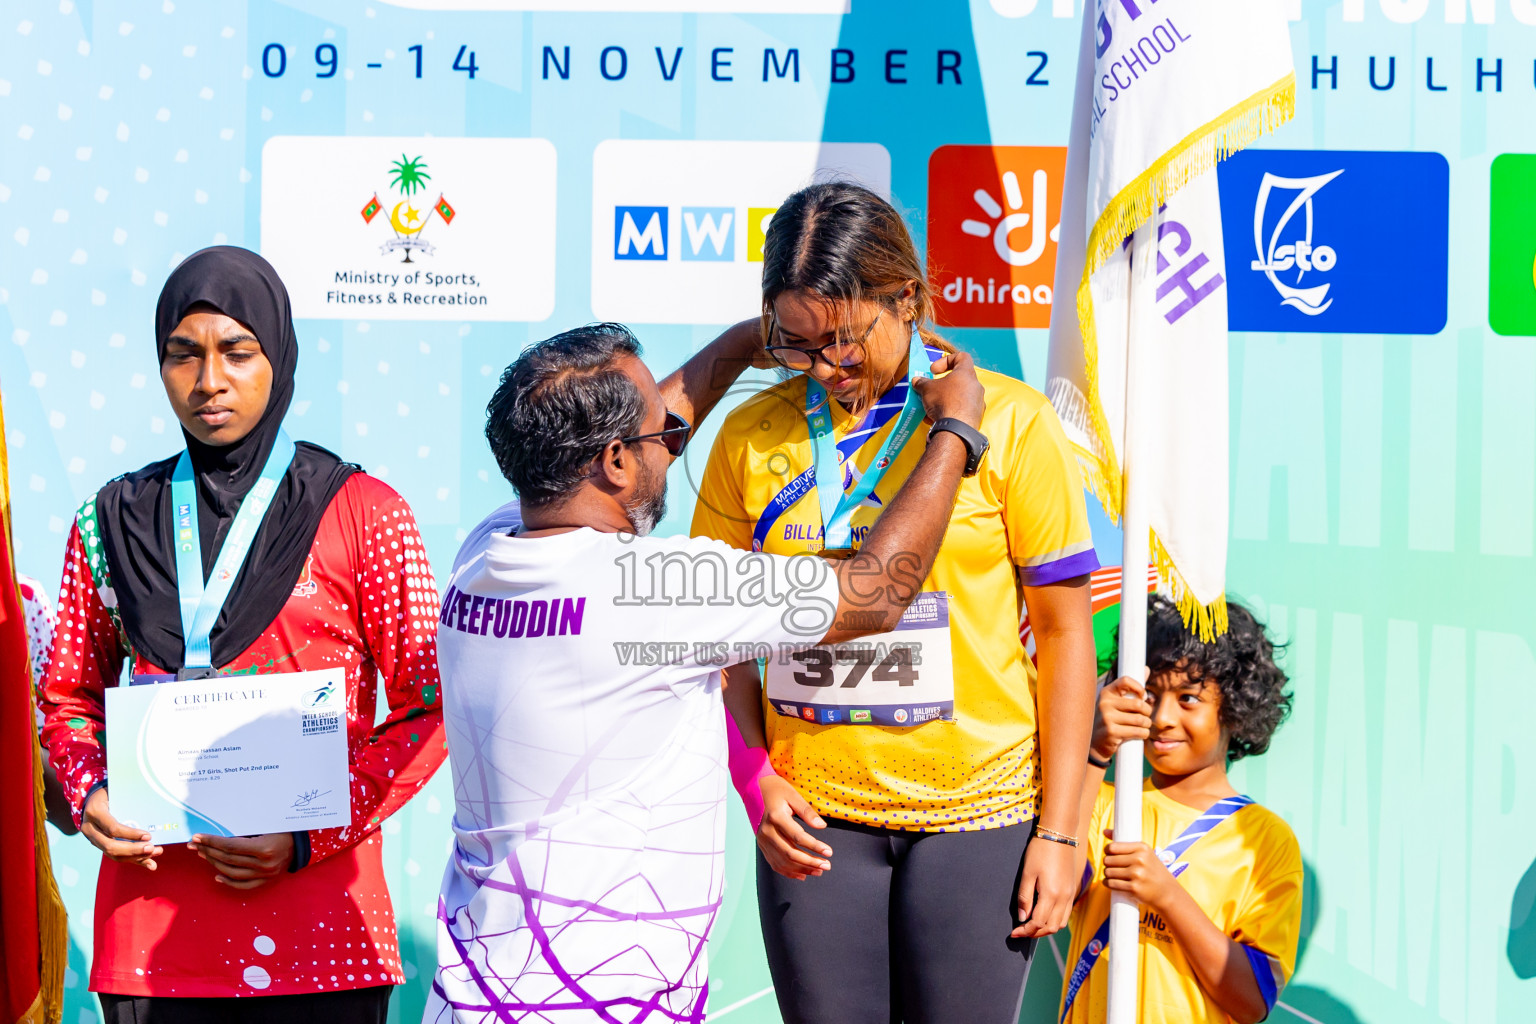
(134, 511)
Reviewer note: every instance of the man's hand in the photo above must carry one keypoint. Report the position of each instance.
(784, 843)
(123, 844)
(245, 862)
(1134, 868)
(1050, 884)
(956, 395)
(1121, 715)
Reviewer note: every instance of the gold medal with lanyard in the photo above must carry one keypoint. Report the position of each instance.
(901, 678)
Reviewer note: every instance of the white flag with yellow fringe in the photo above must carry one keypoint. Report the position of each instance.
(1165, 89)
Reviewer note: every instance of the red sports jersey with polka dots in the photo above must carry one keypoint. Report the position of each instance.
(366, 602)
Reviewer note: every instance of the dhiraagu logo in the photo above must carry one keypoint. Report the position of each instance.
(1512, 244)
(994, 217)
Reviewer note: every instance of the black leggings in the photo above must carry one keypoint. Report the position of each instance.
(907, 927)
(348, 1006)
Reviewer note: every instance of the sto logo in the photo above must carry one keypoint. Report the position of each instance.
(993, 224)
(1300, 254)
(1343, 241)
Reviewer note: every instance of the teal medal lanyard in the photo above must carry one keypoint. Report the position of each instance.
(837, 507)
(200, 605)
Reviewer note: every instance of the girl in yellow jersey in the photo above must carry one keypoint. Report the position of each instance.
(936, 761)
(1219, 880)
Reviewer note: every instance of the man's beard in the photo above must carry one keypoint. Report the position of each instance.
(649, 506)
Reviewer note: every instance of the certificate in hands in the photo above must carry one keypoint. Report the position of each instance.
(234, 755)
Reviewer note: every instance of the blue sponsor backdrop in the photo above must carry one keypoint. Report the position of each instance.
(1383, 484)
(1336, 241)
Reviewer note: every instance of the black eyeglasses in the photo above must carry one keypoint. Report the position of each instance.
(675, 436)
(848, 354)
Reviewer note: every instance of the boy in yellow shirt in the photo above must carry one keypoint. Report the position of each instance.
(1220, 878)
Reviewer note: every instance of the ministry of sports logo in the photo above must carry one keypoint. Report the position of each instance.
(409, 217)
(377, 239)
(1290, 249)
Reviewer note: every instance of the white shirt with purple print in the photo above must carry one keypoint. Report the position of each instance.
(581, 697)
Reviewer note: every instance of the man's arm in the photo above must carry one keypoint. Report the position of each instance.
(694, 388)
(887, 573)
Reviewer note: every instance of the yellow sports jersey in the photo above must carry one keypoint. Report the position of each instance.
(1245, 874)
(1021, 518)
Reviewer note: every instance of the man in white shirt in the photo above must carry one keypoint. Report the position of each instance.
(581, 664)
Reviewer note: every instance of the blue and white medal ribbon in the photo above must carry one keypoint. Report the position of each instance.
(837, 507)
(200, 605)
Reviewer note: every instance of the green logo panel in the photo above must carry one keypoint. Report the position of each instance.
(1512, 245)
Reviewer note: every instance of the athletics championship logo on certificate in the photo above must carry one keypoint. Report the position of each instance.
(363, 228)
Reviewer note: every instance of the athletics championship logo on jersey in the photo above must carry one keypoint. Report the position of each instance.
(410, 216)
(994, 216)
(1336, 241)
(306, 585)
(1512, 244)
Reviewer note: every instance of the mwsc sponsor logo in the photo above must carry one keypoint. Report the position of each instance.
(678, 225)
(707, 232)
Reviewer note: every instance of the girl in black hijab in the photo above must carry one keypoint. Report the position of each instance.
(336, 576)
(133, 512)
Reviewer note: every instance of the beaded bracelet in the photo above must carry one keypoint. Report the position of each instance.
(1053, 836)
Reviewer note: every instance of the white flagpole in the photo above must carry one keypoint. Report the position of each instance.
(1124, 911)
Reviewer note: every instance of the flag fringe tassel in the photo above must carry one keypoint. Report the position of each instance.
(1208, 621)
(53, 924)
(1194, 155)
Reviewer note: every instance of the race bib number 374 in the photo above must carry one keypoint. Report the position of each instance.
(901, 678)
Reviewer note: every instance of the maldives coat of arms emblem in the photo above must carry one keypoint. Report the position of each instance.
(409, 216)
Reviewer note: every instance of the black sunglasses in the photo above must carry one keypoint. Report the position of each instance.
(791, 357)
(675, 436)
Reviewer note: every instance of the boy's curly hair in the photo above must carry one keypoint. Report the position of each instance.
(1241, 662)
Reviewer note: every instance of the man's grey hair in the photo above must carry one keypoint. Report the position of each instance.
(558, 406)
